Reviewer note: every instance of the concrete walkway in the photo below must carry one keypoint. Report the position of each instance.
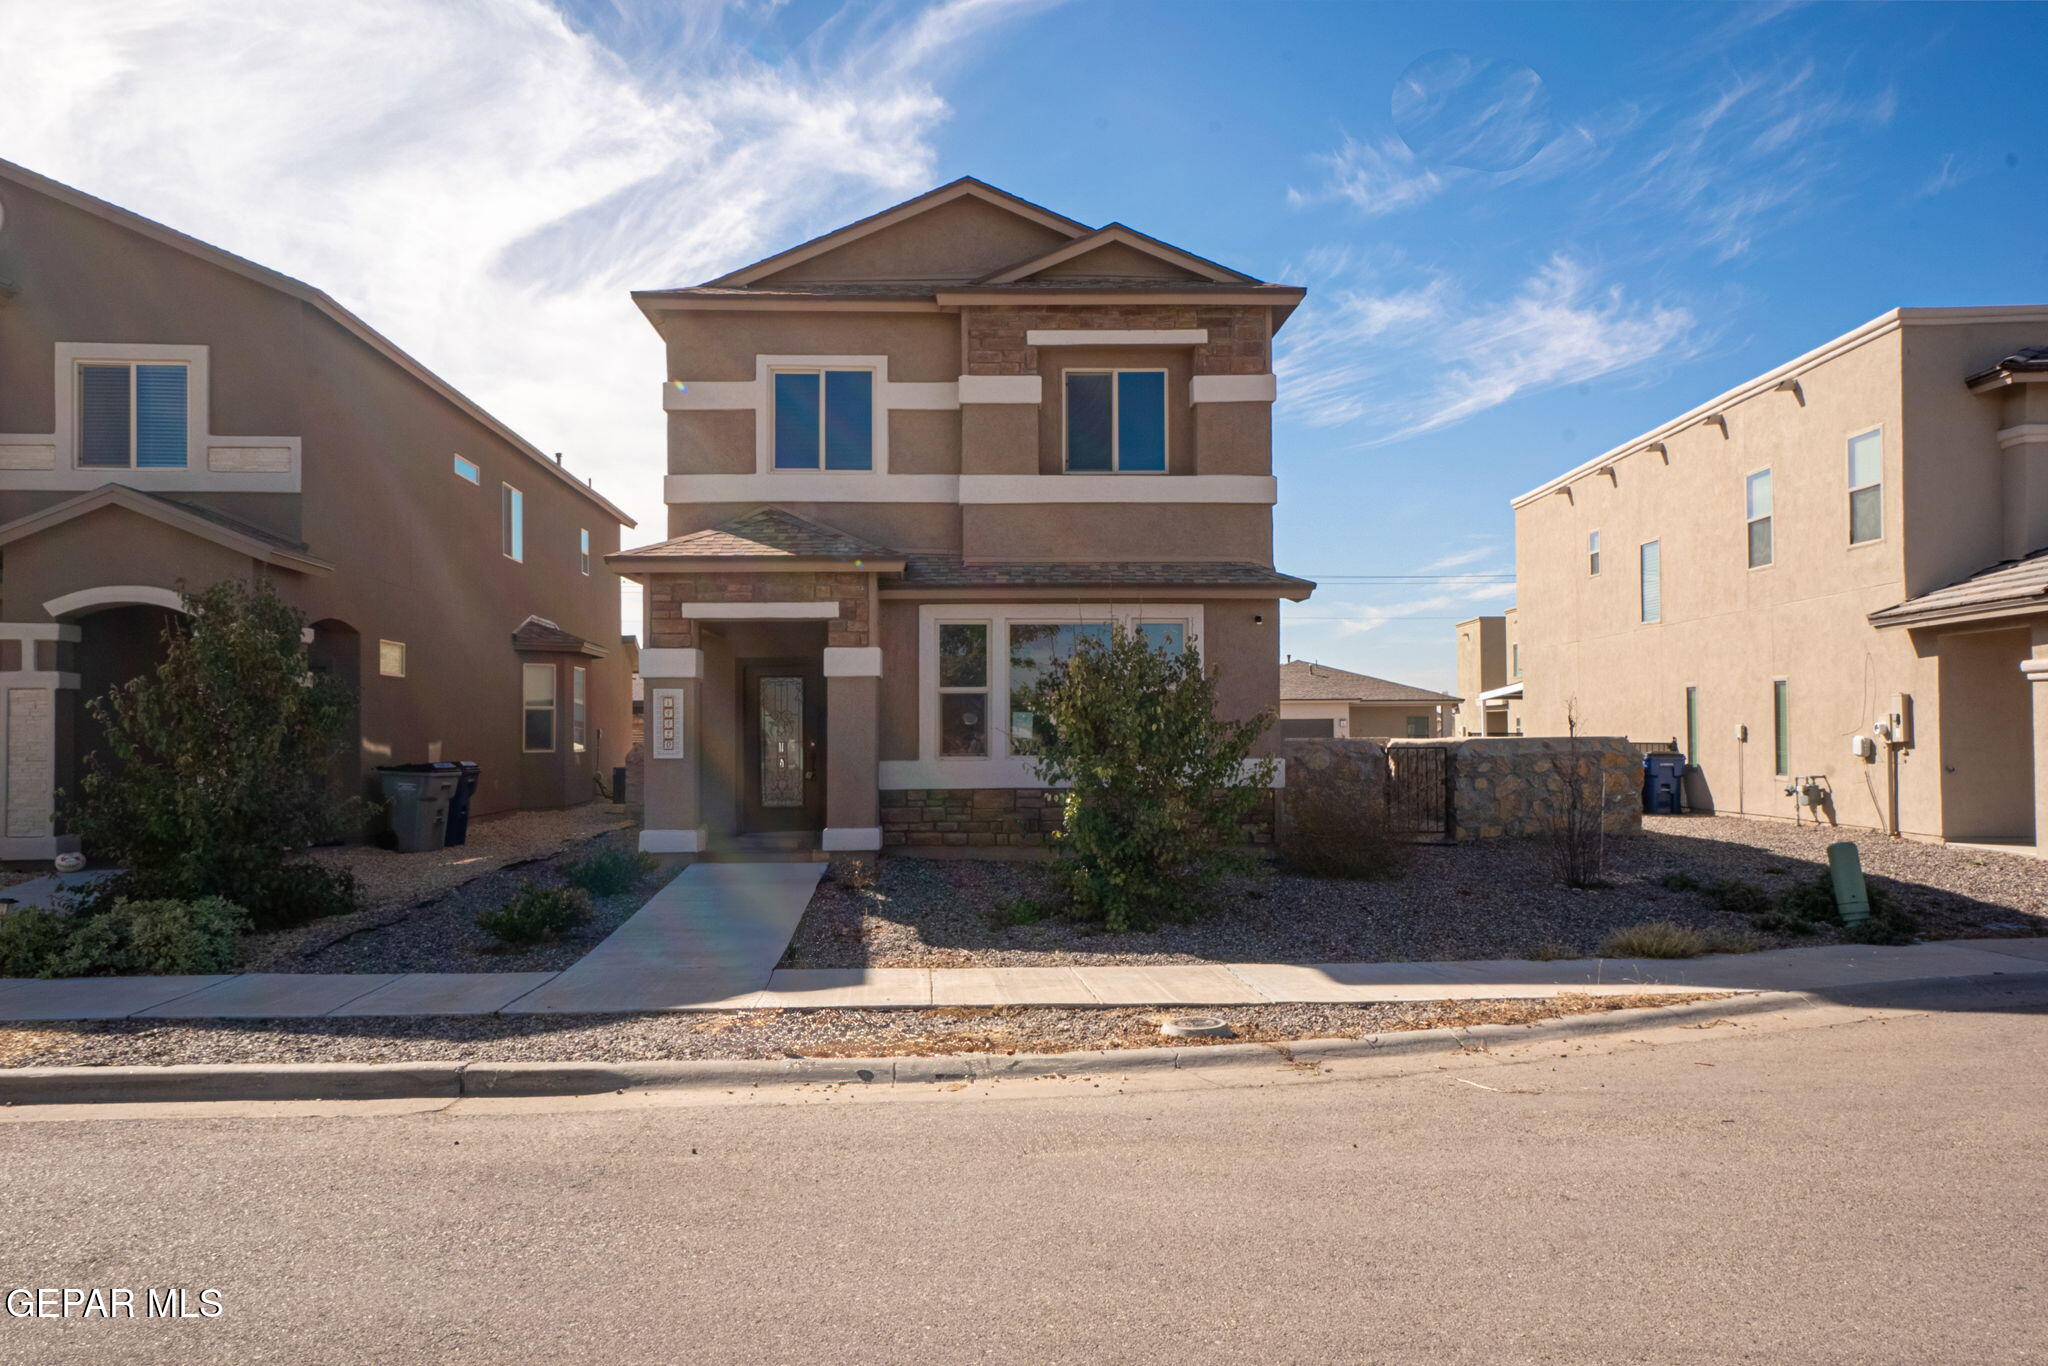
(710, 940)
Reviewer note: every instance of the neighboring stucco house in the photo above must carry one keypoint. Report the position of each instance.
(911, 462)
(172, 415)
(1318, 702)
(1489, 675)
(1832, 578)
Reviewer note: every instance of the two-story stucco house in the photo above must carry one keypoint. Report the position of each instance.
(172, 415)
(1832, 579)
(911, 462)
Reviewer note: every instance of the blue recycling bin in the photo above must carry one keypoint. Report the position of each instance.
(1663, 783)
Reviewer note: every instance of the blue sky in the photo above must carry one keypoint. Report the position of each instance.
(1531, 231)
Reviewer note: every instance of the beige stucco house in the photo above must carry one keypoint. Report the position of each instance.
(1832, 578)
(1318, 702)
(911, 462)
(172, 415)
(1489, 675)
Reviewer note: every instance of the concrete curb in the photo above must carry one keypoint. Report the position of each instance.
(455, 1080)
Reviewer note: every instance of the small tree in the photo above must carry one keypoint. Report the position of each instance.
(215, 769)
(1156, 783)
(1578, 818)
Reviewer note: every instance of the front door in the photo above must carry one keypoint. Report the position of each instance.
(785, 746)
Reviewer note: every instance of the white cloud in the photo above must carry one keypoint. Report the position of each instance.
(1377, 177)
(1956, 168)
(484, 182)
(1399, 360)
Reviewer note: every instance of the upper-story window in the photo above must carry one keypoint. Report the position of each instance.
(132, 416)
(824, 419)
(1866, 487)
(583, 549)
(467, 471)
(512, 522)
(1116, 421)
(1757, 508)
(1593, 554)
(1651, 580)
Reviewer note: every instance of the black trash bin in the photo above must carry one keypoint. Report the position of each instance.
(1663, 781)
(458, 805)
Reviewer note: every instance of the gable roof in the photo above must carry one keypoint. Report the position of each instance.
(963, 187)
(1124, 236)
(2012, 588)
(197, 520)
(540, 634)
(1304, 680)
(766, 533)
(318, 299)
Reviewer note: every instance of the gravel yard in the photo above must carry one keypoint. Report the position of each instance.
(388, 878)
(740, 1034)
(438, 932)
(1492, 900)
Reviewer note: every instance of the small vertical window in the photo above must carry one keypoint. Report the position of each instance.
(963, 690)
(1593, 554)
(513, 523)
(1515, 658)
(1757, 508)
(1652, 573)
(1866, 487)
(466, 471)
(824, 419)
(391, 658)
(1781, 729)
(579, 707)
(583, 549)
(537, 698)
(1116, 421)
(1692, 726)
(132, 416)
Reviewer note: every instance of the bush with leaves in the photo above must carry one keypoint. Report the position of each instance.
(1804, 907)
(216, 765)
(608, 871)
(537, 913)
(1343, 830)
(1156, 782)
(149, 937)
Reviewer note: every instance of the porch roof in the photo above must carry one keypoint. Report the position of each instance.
(194, 518)
(2013, 588)
(767, 533)
(951, 571)
(540, 634)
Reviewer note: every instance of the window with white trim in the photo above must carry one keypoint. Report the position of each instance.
(467, 471)
(1756, 495)
(963, 689)
(537, 707)
(132, 416)
(512, 522)
(824, 418)
(1651, 575)
(391, 658)
(583, 549)
(579, 708)
(1866, 487)
(1593, 554)
(1115, 421)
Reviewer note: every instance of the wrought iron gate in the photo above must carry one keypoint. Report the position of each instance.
(1419, 800)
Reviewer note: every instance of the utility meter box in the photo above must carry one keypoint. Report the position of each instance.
(1898, 719)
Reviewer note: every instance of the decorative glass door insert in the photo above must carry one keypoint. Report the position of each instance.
(782, 741)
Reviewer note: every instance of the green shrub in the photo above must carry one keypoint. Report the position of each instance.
(165, 937)
(1155, 781)
(1022, 911)
(1736, 897)
(217, 764)
(608, 871)
(537, 913)
(1654, 939)
(279, 898)
(1805, 906)
(1680, 882)
(1340, 830)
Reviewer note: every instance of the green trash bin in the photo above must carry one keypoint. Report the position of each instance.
(417, 796)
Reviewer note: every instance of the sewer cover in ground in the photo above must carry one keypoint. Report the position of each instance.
(1195, 1026)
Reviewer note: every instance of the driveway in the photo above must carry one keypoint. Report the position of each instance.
(1868, 1189)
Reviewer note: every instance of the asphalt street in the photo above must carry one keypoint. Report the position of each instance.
(1848, 1185)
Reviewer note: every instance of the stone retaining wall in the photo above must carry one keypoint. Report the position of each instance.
(1502, 786)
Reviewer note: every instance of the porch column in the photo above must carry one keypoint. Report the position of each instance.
(853, 732)
(2035, 667)
(673, 751)
(34, 735)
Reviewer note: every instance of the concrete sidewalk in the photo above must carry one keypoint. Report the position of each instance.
(710, 940)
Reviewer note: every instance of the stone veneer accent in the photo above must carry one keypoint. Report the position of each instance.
(31, 762)
(997, 817)
(1502, 786)
(667, 629)
(1238, 341)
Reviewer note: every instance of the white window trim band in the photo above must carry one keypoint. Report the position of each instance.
(853, 661)
(757, 394)
(860, 486)
(850, 838)
(669, 662)
(1002, 389)
(757, 611)
(672, 841)
(1233, 389)
(1081, 336)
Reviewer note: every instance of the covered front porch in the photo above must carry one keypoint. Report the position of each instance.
(763, 689)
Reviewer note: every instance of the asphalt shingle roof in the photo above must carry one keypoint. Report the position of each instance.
(948, 571)
(766, 533)
(538, 633)
(1303, 680)
(2015, 585)
(2024, 360)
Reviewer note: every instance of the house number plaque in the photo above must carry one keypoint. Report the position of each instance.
(665, 723)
